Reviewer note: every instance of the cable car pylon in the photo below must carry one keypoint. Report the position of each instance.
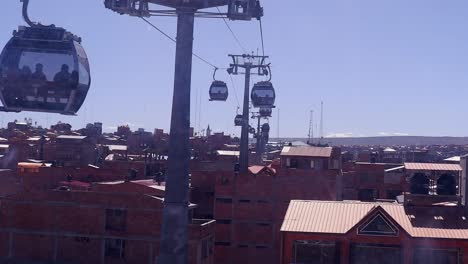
(174, 233)
(261, 94)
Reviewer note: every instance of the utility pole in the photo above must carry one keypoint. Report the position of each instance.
(174, 232)
(248, 63)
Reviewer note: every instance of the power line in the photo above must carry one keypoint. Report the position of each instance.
(173, 40)
(232, 33)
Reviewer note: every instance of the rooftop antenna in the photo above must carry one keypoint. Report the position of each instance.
(311, 128)
(278, 126)
(321, 120)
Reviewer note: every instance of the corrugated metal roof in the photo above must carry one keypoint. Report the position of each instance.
(324, 217)
(307, 151)
(227, 153)
(341, 217)
(71, 137)
(389, 150)
(256, 169)
(117, 147)
(454, 159)
(432, 166)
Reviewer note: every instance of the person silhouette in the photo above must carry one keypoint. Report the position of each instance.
(39, 73)
(25, 73)
(39, 79)
(63, 76)
(74, 78)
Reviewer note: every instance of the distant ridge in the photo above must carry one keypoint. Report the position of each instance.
(387, 141)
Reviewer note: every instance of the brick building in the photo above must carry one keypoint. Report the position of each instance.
(249, 208)
(71, 150)
(112, 223)
(372, 232)
(370, 181)
(426, 225)
(44, 176)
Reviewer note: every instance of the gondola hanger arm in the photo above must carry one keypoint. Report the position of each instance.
(26, 16)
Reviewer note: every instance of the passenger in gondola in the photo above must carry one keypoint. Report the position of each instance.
(25, 85)
(25, 73)
(73, 80)
(62, 79)
(39, 73)
(39, 85)
(63, 76)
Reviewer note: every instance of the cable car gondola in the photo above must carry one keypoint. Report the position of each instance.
(239, 120)
(263, 95)
(218, 91)
(43, 69)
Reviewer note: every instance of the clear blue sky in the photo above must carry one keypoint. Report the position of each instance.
(381, 67)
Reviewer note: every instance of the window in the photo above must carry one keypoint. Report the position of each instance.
(312, 164)
(362, 253)
(210, 246)
(204, 249)
(367, 195)
(224, 244)
(115, 248)
(244, 201)
(82, 239)
(336, 164)
(51, 62)
(315, 252)
(263, 224)
(436, 256)
(116, 220)
(224, 200)
(294, 163)
(366, 178)
(288, 162)
(392, 194)
(379, 226)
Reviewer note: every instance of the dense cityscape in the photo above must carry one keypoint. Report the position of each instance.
(187, 194)
(67, 191)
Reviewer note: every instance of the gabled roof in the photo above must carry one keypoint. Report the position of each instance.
(432, 166)
(258, 169)
(329, 217)
(307, 151)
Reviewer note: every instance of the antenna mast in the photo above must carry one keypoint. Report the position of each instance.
(278, 126)
(321, 120)
(311, 128)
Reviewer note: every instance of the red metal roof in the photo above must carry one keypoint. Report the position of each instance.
(432, 166)
(256, 169)
(340, 217)
(307, 151)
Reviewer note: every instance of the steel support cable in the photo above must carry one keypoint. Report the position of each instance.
(235, 90)
(173, 40)
(261, 35)
(233, 34)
